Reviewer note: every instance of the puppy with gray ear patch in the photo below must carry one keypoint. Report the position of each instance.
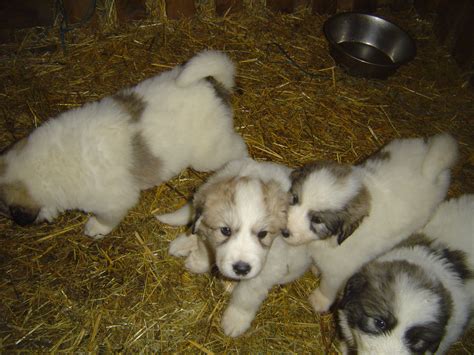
(238, 220)
(349, 215)
(97, 158)
(418, 297)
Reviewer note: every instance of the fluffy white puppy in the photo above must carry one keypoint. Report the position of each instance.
(239, 215)
(377, 203)
(418, 297)
(97, 158)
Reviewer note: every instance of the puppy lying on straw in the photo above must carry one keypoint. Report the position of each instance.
(237, 217)
(349, 215)
(418, 297)
(97, 158)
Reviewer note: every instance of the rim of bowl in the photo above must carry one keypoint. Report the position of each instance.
(338, 46)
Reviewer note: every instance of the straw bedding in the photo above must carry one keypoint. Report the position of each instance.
(62, 291)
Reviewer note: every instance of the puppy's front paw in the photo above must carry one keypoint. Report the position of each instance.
(236, 321)
(95, 229)
(47, 214)
(319, 301)
(183, 245)
(196, 263)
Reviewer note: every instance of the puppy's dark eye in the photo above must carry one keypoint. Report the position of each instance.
(316, 220)
(294, 199)
(226, 231)
(380, 324)
(262, 234)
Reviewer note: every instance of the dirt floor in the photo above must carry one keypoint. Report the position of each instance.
(60, 290)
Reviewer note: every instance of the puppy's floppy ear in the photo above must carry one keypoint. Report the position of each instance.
(196, 220)
(353, 288)
(345, 230)
(296, 174)
(23, 216)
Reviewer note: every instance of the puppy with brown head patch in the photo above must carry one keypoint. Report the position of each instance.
(97, 158)
(237, 223)
(349, 215)
(418, 297)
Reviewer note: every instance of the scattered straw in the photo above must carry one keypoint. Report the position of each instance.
(61, 291)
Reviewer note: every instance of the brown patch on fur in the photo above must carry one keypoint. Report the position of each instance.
(216, 203)
(277, 204)
(3, 166)
(220, 90)
(146, 166)
(16, 202)
(132, 104)
(215, 200)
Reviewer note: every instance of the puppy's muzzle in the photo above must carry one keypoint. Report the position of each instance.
(23, 216)
(241, 268)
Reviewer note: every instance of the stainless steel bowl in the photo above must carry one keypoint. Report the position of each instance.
(367, 45)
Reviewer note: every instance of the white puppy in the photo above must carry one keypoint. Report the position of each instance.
(377, 203)
(419, 296)
(97, 158)
(239, 214)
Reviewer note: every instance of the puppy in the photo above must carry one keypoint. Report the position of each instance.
(239, 215)
(97, 158)
(418, 297)
(377, 203)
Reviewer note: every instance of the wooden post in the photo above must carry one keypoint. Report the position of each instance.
(77, 10)
(228, 6)
(357, 5)
(287, 6)
(130, 10)
(324, 6)
(176, 9)
(463, 50)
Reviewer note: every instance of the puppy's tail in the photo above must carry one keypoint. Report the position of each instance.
(180, 217)
(441, 155)
(208, 63)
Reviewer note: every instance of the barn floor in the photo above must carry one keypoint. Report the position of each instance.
(62, 291)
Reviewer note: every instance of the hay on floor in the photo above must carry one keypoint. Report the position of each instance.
(62, 291)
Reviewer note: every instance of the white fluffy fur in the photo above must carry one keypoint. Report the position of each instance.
(83, 158)
(278, 264)
(404, 191)
(452, 225)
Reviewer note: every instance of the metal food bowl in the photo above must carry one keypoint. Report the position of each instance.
(367, 45)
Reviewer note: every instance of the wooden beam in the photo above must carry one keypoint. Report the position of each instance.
(228, 6)
(176, 9)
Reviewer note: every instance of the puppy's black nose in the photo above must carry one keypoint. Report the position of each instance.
(241, 268)
(285, 233)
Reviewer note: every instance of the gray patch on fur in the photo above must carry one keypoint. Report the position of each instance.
(131, 103)
(340, 171)
(146, 167)
(220, 90)
(342, 223)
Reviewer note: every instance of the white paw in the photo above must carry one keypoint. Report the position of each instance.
(236, 321)
(319, 302)
(47, 214)
(183, 245)
(197, 263)
(95, 229)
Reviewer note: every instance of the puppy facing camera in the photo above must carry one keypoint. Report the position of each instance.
(238, 217)
(348, 215)
(418, 297)
(97, 158)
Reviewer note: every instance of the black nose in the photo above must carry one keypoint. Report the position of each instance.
(285, 233)
(241, 268)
